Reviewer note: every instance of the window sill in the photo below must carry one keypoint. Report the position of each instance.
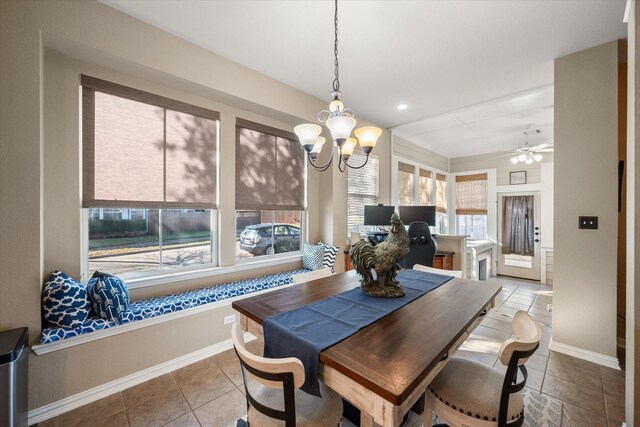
(164, 278)
(40, 349)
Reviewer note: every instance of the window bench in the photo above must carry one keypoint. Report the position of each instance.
(154, 307)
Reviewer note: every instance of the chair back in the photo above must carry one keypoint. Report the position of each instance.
(513, 353)
(286, 373)
(422, 247)
(312, 275)
(454, 273)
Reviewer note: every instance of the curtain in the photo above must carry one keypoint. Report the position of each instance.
(471, 194)
(143, 150)
(406, 186)
(441, 193)
(362, 189)
(517, 225)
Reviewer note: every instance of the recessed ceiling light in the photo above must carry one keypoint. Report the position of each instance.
(402, 106)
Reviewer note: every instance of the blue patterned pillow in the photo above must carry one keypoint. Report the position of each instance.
(312, 256)
(64, 301)
(330, 253)
(109, 296)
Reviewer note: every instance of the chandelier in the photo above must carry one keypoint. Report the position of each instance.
(340, 122)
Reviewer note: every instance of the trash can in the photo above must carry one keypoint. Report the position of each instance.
(13, 377)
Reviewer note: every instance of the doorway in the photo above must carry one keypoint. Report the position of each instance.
(519, 235)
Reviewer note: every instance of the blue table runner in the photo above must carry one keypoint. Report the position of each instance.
(308, 330)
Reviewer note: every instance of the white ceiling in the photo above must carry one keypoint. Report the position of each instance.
(435, 56)
(488, 127)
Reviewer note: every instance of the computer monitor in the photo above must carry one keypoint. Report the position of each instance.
(378, 215)
(409, 214)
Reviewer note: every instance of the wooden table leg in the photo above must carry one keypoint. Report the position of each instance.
(366, 420)
(427, 414)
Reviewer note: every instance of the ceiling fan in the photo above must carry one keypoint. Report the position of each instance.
(528, 154)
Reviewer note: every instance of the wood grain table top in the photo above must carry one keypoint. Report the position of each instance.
(394, 354)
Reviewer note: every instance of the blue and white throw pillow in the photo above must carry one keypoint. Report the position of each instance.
(329, 257)
(64, 301)
(109, 296)
(312, 256)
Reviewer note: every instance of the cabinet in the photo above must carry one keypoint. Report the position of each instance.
(443, 260)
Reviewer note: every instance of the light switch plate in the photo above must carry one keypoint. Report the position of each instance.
(588, 222)
(229, 319)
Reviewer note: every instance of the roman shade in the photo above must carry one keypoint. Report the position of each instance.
(269, 168)
(144, 150)
(362, 189)
(406, 184)
(425, 187)
(441, 193)
(471, 194)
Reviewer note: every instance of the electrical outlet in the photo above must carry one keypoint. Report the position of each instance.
(229, 319)
(588, 222)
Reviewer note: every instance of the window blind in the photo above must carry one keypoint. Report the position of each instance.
(471, 194)
(362, 189)
(269, 168)
(425, 187)
(441, 193)
(406, 184)
(145, 150)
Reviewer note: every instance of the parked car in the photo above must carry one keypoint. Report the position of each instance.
(258, 240)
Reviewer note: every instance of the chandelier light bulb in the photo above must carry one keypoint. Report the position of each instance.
(340, 127)
(347, 148)
(317, 147)
(336, 107)
(368, 137)
(308, 134)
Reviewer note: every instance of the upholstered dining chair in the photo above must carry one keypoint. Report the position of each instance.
(468, 393)
(454, 273)
(276, 399)
(312, 275)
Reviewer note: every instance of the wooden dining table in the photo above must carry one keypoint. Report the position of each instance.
(384, 368)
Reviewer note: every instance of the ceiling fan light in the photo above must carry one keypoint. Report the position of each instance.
(514, 160)
(537, 157)
(529, 160)
(522, 157)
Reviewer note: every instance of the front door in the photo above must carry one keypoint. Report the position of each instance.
(519, 235)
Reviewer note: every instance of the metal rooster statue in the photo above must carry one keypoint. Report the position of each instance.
(378, 265)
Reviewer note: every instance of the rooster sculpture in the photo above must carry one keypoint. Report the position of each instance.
(378, 265)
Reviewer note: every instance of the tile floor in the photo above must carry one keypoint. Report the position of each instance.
(210, 392)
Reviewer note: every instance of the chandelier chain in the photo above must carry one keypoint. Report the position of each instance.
(336, 72)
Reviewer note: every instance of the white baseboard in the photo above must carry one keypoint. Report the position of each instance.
(590, 356)
(72, 402)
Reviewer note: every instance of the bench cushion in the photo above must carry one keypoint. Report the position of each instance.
(144, 309)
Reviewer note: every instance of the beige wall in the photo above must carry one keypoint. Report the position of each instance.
(409, 150)
(585, 183)
(40, 176)
(502, 164)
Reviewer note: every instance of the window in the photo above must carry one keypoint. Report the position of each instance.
(471, 205)
(406, 184)
(441, 203)
(362, 190)
(270, 186)
(149, 180)
(425, 187)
